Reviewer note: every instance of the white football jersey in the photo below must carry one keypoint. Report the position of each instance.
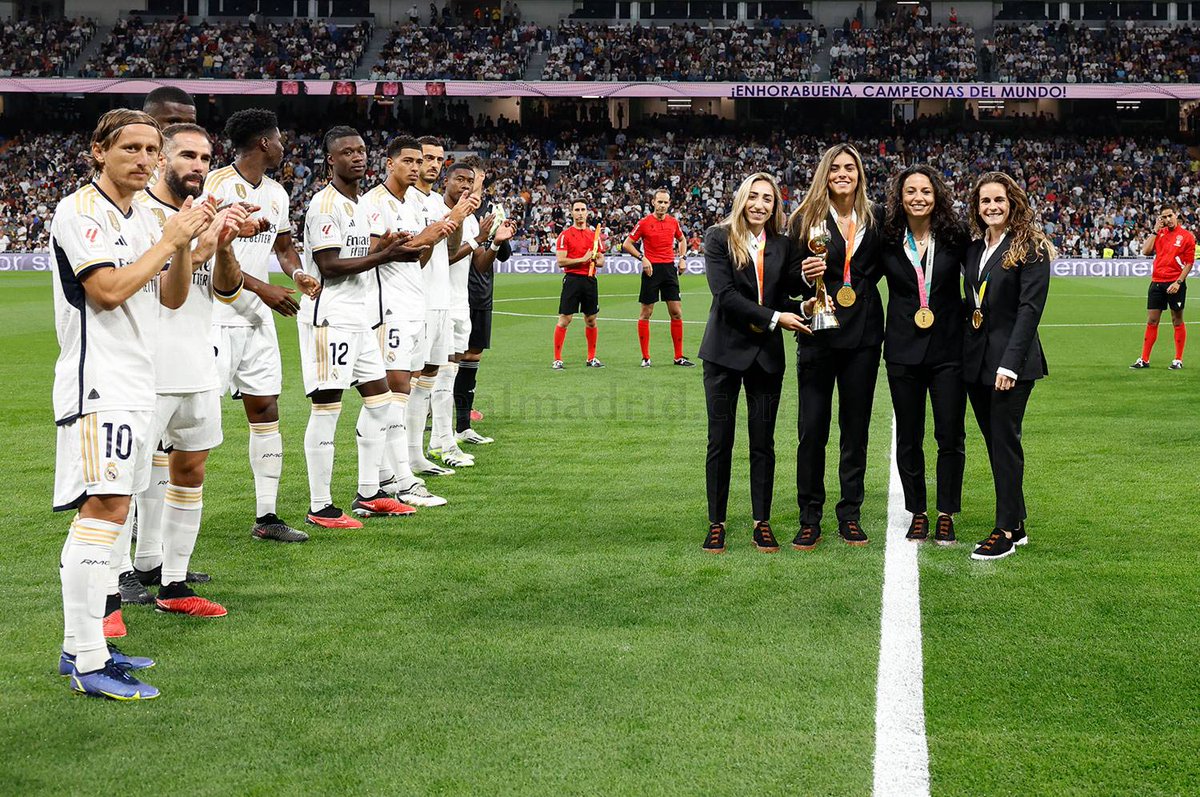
(437, 269)
(400, 284)
(105, 359)
(460, 270)
(183, 356)
(253, 254)
(335, 222)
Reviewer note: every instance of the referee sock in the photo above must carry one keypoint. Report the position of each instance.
(1180, 339)
(266, 463)
(442, 407)
(591, 333)
(1148, 341)
(371, 435)
(644, 337)
(149, 551)
(677, 336)
(181, 526)
(84, 572)
(464, 394)
(560, 335)
(318, 452)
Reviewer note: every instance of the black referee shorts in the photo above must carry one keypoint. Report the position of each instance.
(580, 293)
(662, 281)
(481, 330)
(1158, 298)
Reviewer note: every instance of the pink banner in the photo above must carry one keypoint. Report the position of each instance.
(542, 88)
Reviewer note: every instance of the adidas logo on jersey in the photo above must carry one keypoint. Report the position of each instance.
(93, 395)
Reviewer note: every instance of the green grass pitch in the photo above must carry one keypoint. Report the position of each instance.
(556, 630)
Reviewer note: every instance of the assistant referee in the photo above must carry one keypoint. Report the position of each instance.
(664, 248)
(1174, 250)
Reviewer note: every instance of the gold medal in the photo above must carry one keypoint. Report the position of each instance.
(846, 296)
(924, 318)
(977, 319)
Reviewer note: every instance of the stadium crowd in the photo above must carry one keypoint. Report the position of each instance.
(1092, 193)
(300, 49)
(904, 51)
(468, 52)
(42, 48)
(682, 53)
(1075, 53)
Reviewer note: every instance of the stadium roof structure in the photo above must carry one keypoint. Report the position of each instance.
(588, 89)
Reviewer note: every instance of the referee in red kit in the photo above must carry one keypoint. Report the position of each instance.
(1174, 250)
(664, 247)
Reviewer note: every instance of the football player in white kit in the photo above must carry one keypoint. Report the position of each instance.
(339, 347)
(438, 327)
(389, 208)
(248, 362)
(187, 416)
(108, 251)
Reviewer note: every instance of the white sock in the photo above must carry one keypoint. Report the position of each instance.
(181, 526)
(84, 575)
(318, 452)
(372, 431)
(149, 552)
(442, 435)
(395, 452)
(418, 411)
(266, 463)
(112, 584)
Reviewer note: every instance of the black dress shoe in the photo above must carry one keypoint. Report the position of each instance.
(918, 530)
(807, 538)
(715, 541)
(851, 532)
(764, 540)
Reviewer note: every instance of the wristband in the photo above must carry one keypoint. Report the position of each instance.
(495, 247)
(472, 243)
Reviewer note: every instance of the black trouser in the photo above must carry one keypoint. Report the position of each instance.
(855, 372)
(721, 388)
(910, 384)
(999, 413)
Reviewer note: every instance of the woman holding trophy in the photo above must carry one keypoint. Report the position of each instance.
(1007, 279)
(752, 268)
(923, 247)
(836, 216)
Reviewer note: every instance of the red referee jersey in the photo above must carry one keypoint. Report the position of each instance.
(658, 238)
(576, 243)
(1174, 251)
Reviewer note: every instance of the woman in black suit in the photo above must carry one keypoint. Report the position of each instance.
(751, 269)
(1007, 277)
(847, 356)
(923, 249)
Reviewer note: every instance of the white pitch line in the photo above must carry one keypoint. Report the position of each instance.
(901, 749)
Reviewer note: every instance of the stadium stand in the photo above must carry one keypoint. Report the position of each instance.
(1076, 53)
(301, 49)
(42, 48)
(468, 52)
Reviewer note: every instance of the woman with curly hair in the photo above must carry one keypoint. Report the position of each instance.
(923, 247)
(1007, 278)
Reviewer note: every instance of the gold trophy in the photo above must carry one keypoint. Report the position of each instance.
(823, 317)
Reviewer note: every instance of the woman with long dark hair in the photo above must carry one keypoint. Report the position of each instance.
(923, 247)
(752, 269)
(1007, 277)
(836, 207)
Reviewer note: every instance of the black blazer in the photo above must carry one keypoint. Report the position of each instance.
(1012, 308)
(862, 322)
(737, 332)
(906, 343)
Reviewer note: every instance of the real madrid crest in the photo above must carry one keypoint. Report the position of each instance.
(395, 207)
(349, 209)
(112, 219)
(275, 208)
(240, 190)
(110, 472)
(162, 217)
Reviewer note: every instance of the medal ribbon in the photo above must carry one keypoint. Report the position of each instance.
(924, 278)
(849, 254)
(759, 254)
